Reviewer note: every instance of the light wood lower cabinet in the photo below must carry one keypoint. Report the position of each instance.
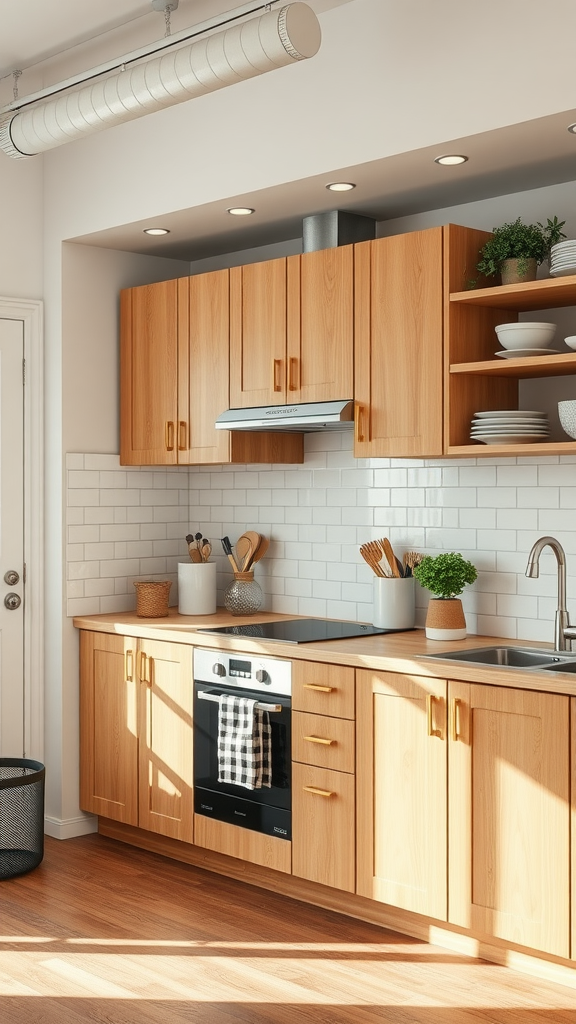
(323, 840)
(401, 791)
(136, 732)
(509, 842)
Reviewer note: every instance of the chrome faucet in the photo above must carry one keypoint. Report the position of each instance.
(564, 633)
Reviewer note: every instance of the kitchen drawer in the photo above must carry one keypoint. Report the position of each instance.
(323, 689)
(323, 832)
(322, 741)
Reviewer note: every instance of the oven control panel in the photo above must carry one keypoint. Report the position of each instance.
(246, 671)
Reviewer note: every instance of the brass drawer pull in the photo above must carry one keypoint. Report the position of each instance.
(320, 689)
(456, 705)
(277, 375)
(128, 666)
(293, 379)
(316, 791)
(431, 699)
(360, 435)
(169, 435)
(182, 432)
(319, 739)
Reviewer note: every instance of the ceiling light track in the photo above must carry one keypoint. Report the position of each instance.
(244, 50)
(120, 63)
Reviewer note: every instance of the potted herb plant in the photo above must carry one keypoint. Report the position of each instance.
(445, 576)
(516, 250)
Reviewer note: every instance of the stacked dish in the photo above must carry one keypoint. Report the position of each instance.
(563, 258)
(525, 339)
(509, 426)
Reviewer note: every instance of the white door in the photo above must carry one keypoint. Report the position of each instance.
(11, 538)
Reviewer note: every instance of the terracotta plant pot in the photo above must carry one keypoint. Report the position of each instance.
(445, 619)
(510, 274)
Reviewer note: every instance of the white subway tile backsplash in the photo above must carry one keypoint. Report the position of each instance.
(126, 523)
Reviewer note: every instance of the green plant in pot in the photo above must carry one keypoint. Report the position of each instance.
(516, 250)
(445, 576)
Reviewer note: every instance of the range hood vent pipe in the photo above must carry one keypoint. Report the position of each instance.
(334, 228)
(273, 40)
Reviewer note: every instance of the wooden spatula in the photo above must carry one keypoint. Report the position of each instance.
(390, 557)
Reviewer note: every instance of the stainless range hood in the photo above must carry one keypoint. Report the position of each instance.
(303, 418)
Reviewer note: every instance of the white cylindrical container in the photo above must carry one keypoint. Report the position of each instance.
(196, 588)
(394, 603)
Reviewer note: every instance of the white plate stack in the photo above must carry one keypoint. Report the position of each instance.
(509, 426)
(563, 258)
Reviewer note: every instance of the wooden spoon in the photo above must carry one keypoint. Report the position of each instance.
(242, 548)
(254, 539)
(260, 550)
(390, 557)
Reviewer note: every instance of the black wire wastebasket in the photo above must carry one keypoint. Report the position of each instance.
(21, 815)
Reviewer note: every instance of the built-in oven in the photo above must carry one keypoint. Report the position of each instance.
(268, 681)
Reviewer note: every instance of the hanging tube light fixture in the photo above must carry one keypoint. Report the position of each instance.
(273, 40)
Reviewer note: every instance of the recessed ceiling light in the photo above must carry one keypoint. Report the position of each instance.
(341, 186)
(572, 128)
(156, 231)
(451, 159)
(240, 211)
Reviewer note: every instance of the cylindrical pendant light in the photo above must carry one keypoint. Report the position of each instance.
(244, 51)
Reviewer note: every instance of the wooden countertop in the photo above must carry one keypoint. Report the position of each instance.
(394, 652)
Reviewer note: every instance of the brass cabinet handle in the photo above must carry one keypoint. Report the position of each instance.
(316, 791)
(431, 699)
(456, 705)
(293, 375)
(142, 666)
(129, 661)
(319, 739)
(276, 375)
(359, 414)
(169, 435)
(317, 687)
(182, 431)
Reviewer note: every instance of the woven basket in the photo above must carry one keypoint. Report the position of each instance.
(152, 598)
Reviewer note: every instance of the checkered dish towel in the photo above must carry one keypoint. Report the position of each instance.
(244, 743)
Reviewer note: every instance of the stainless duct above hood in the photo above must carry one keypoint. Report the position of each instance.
(303, 418)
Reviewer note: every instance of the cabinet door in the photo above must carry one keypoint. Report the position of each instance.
(509, 815)
(320, 325)
(323, 843)
(204, 370)
(149, 375)
(401, 791)
(398, 345)
(258, 334)
(108, 726)
(164, 672)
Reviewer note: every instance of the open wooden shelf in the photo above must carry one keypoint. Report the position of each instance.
(548, 293)
(494, 451)
(521, 367)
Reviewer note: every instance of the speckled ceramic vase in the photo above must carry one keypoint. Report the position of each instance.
(445, 619)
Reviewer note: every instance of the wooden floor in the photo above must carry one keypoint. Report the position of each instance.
(102, 932)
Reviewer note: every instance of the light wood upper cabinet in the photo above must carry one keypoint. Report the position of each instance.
(292, 329)
(174, 379)
(399, 345)
(136, 732)
(509, 815)
(401, 791)
(149, 375)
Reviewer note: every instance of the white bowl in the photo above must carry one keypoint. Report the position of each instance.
(567, 414)
(571, 341)
(525, 335)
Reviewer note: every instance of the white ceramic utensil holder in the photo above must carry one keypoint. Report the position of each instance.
(394, 606)
(196, 588)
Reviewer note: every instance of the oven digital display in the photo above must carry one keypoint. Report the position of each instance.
(243, 669)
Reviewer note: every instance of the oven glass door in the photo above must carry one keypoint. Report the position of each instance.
(264, 810)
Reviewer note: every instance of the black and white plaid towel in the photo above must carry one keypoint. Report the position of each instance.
(244, 743)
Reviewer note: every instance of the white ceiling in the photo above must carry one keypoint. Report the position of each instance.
(35, 30)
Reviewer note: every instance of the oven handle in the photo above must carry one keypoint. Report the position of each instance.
(273, 708)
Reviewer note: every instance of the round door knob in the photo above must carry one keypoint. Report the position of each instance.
(12, 601)
(262, 676)
(219, 669)
(11, 577)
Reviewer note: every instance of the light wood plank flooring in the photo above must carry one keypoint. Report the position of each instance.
(102, 932)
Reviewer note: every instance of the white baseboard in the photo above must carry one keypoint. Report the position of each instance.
(71, 827)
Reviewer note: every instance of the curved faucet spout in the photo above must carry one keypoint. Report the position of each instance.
(561, 623)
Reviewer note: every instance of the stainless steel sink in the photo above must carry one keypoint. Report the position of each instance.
(513, 657)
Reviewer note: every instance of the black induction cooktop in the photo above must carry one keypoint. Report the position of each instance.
(301, 631)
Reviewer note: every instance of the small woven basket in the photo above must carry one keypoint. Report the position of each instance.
(152, 598)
